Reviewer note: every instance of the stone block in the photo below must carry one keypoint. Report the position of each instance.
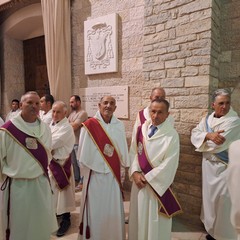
(197, 102)
(225, 56)
(158, 74)
(175, 23)
(197, 81)
(185, 140)
(172, 34)
(157, 18)
(147, 48)
(198, 60)
(229, 70)
(175, 63)
(175, 114)
(185, 39)
(196, 16)
(151, 59)
(173, 73)
(194, 7)
(121, 5)
(148, 11)
(161, 5)
(160, 27)
(194, 27)
(204, 69)
(136, 12)
(149, 30)
(172, 82)
(173, 48)
(167, 56)
(195, 160)
(183, 128)
(132, 28)
(153, 66)
(200, 44)
(184, 54)
(155, 38)
(189, 71)
(173, 92)
(192, 115)
(199, 90)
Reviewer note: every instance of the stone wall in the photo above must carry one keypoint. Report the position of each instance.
(229, 60)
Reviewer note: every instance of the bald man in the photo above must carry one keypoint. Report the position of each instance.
(61, 171)
(102, 154)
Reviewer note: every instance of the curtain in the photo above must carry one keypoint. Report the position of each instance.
(56, 23)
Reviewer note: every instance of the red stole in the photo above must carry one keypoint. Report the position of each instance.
(30, 144)
(61, 173)
(105, 146)
(169, 205)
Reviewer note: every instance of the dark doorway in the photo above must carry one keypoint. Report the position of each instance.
(36, 78)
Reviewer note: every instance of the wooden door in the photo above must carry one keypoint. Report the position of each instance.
(36, 78)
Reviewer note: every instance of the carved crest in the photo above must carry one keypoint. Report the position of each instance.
(99, 48)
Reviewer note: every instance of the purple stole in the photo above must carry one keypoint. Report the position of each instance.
(35, 150)
(105, 146)
(61, 173)
(169, 205)
(38, 152)
(141, 117)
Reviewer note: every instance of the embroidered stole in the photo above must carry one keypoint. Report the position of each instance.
(105, 147)
(30, 144)
(169, 205)
(223, 156)
(61, 173)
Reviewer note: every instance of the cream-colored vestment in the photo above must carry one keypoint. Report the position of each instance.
(145, 222)
(216, 202)
(62, 144)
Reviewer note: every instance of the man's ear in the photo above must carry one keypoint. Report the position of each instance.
(213, 105)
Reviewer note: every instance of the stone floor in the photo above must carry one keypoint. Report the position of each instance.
(180, 231)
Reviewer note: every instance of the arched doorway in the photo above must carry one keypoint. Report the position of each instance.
(23, 59)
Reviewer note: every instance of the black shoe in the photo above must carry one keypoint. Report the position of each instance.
(64, 226)
(209, 237)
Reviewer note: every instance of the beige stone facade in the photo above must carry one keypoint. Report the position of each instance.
(189, 47)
